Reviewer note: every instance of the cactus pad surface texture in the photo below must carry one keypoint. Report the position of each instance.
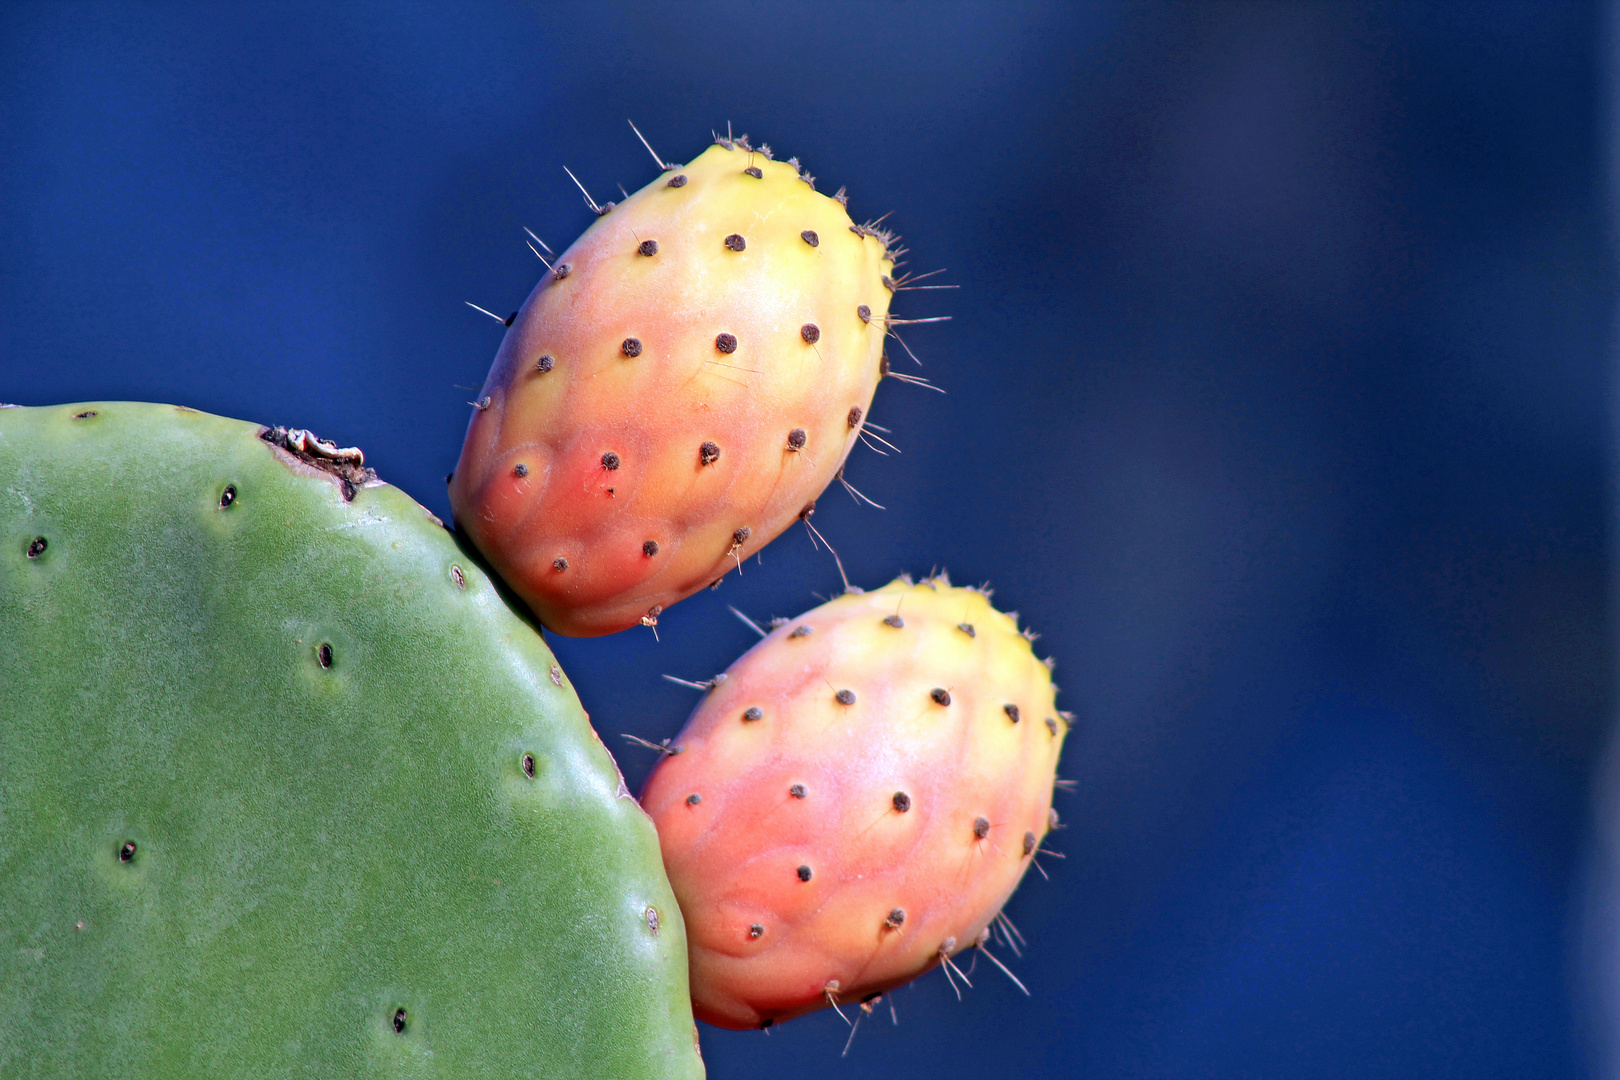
(287, 790)
(677, 391)
(853, 804)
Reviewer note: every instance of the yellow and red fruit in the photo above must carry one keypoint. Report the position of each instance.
(856, 800)
(676, 392)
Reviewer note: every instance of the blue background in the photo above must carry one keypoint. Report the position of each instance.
(1278, 402)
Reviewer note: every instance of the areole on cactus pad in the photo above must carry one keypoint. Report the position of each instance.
(855, 801)
(677, 390)
(287, 787)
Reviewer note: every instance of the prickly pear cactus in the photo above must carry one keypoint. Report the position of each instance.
(287, 790)
(676, 391)
(854, 802)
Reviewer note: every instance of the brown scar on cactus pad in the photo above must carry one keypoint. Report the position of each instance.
(922, 806)
(732, 294)
(345, 465)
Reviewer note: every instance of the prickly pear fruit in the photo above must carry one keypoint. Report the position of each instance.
(287, 788)
(856, 800)
(676, 392)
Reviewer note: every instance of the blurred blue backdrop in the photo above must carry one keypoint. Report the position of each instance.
(1278, 402)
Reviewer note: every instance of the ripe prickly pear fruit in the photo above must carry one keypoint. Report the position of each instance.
(287, 788)
(856, 800)
(676, 392)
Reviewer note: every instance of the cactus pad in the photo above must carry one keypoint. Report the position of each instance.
(286, 789)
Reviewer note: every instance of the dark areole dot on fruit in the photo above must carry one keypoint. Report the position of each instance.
(545, 363)
(126, 851)
(631, 347)
(227, 497)
(845, 697)
(528, 766)
(37, 546)
(901, 801)
(726, 343)
(735, 242)
(647, 247)
(804, 873)
(399, 1021)
(324, 654)
(940, 695)
(610, 460)
(708, 453)
(753, 712)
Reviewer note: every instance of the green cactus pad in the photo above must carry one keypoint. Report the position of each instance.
(288, 790)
